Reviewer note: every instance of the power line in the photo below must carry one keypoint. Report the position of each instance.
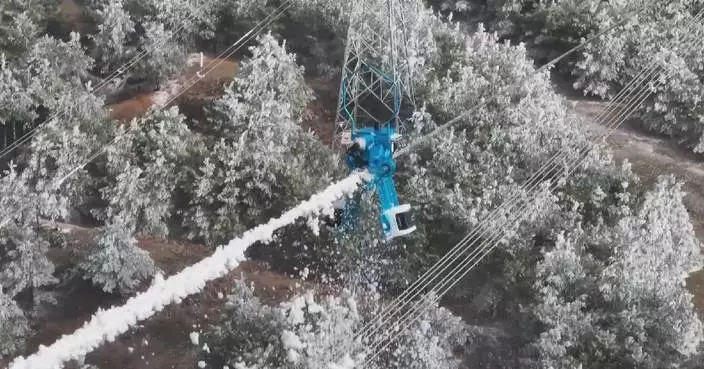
(456, 276)
(417, 286)
(407, 149)
(106, 81)
(212, 65)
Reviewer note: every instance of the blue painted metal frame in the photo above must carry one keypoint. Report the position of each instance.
(376, 151)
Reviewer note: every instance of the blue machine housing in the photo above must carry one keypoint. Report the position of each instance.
(372, 149)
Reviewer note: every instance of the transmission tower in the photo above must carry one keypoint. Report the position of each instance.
(376, 78)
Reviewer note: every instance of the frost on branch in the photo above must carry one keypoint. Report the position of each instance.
(14, 327)
(647, 317)
(260, 160)
(305, 333)
(117, 263)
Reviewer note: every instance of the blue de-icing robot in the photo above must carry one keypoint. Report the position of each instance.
(371, 147)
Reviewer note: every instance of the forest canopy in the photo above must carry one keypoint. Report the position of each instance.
(592, 277)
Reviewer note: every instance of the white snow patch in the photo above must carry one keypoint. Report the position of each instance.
(295, 313)
(130, 349)
(291, 341)
(313, 307)
(304, 273)
(193, 59)
(194, 336)
(314, 225)
(201, 364)
(106, 325)
(346, 363)
(352, 304)
(221, 296)
(206, 348)
(293, 356)
(291, 344)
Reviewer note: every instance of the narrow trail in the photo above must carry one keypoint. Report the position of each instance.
(651, 156)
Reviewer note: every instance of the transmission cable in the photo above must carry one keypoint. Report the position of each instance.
(213, 64)
(104, 82)
(373, 323)
(631, 107)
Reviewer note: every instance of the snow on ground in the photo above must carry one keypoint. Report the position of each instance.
(107, 325)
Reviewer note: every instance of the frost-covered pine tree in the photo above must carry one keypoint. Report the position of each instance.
(144, 169)
(306, 332)
(116, 263)
(644, 317)
(654, 320)
(120, 39)
(21, 22)
(431, 341)
(664, 32)
(14, 327)
(562, 289)
(24, 265)
(459, 177)
(260, 160)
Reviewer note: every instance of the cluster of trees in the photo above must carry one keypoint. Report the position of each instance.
(165, 175)
(593, 277)
(305, 333)
(665, 33)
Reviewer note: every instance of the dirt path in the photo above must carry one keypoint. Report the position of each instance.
(652, 156)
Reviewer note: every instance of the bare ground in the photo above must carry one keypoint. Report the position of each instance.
(651, 156)
(163, 340)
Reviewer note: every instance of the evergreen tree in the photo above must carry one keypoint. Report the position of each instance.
(654, 321)
(260, 161)
(21, 21)
(117, 263)
(14, 327)
(629, 309)
(144, 170)
(23, 262)
(120, 39)
(305, 333)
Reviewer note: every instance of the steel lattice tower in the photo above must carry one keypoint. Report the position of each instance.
(375, 75)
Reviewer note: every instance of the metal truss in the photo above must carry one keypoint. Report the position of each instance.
(375, 74)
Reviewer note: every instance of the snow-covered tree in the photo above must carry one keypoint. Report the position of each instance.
(248, 333)
(305, 333)
(28, 266)
(654, 321)
(49, 78)
(144, 169)
(14, 327)
(23, 249)
(624, 305)
(120, 39)
(458, 178)
(116, 263)
(431, 342)
(562, 288)
(21, 22)
(664, 32)
(261, 160)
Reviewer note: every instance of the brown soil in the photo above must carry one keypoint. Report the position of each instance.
(321, 112)
(167, 333)
(202, 89)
